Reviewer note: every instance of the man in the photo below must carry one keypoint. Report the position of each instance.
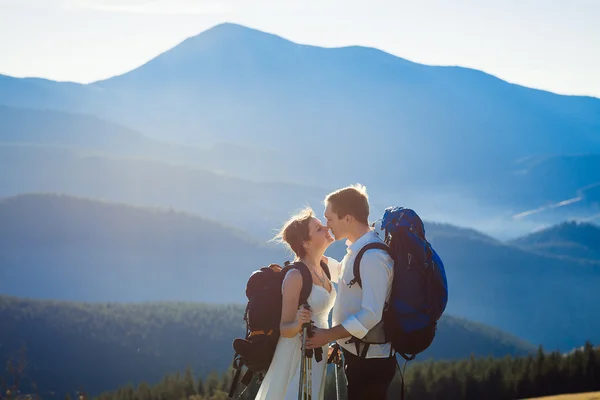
(357, 309)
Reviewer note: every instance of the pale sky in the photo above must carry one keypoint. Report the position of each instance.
(548, 44)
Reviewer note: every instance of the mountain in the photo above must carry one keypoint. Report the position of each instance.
(92, 135)
(70, 248)
(363, 87)
(571, 239)
(48, 127)
(77, 249)
(51, 128)
(242, 86)
(259, 207)
(542, 298)
(99, 347)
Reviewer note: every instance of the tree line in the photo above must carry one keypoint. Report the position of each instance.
(488, 378)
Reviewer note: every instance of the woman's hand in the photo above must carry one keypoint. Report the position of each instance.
(303, 316)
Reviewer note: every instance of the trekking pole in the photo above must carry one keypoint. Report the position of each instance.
(343, 361)
(309, 360)
(302, 380)
(337, 383)
(309, 385)
(336, 361)
(334, 358)
(303, 367)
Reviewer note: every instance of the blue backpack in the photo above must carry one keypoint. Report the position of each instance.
(419, 290)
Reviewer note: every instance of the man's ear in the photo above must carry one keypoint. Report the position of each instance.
(348, 218)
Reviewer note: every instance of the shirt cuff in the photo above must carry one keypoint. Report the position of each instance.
(355, 328)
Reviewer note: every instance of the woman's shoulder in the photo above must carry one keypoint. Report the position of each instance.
(293, 278)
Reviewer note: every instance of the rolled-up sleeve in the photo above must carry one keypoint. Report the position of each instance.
(376, 274)
(354, 327)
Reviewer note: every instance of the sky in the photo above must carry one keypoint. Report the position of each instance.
(547, 44)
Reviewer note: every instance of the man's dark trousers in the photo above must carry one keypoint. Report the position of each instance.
(368, 378)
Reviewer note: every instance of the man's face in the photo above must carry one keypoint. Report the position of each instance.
(335, 224)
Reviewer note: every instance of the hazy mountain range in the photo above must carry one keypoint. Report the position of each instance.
(279, 110)
(68, 248)
(165, 184)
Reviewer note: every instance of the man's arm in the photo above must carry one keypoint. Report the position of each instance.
(376, 274)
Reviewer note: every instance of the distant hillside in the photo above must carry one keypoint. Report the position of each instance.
(89, 250)
(571, 239)
(100, 347)
(509, 287)
(72, 248)
(434, 230)
(48, 130)
(259, 207)
(49, 127)
(92, 135)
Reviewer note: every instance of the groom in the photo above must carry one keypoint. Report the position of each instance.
(358, 309)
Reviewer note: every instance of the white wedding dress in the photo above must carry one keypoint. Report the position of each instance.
(281, 381)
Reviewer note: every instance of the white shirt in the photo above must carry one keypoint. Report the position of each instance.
(360, 309)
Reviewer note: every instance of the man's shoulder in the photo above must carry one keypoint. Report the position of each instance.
(378, 256)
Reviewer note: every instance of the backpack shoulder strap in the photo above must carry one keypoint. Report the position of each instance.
(307, 280)
(326, 269)
(359, 256)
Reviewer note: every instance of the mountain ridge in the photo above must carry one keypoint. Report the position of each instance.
(87, 250)
(572, 239)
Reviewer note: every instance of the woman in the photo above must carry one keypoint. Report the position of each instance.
(308, 238)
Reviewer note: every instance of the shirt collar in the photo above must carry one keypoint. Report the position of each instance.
(361, 241)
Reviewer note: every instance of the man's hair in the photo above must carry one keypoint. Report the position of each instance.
(351, 200)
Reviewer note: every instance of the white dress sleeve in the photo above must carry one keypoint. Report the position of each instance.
(285, 278)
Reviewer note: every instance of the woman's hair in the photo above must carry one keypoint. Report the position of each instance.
(295, 231)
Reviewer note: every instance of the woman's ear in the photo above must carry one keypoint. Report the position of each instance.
(307, 245)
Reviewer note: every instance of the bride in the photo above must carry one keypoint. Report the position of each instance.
(308, 238)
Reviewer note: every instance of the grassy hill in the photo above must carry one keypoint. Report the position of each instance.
(576, 396)
(101, 346)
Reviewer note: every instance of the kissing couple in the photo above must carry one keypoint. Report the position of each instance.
(356, 309)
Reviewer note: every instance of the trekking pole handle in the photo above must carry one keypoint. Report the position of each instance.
(308, 332)
(307, 324)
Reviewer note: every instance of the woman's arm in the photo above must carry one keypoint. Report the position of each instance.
(292, 318)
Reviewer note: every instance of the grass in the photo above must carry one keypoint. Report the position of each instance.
(577, 396)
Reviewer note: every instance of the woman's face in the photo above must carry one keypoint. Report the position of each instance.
(319, 235)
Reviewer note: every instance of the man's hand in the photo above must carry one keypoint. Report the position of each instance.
(324, 336)
(320, 338)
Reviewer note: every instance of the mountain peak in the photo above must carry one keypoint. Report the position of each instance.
(229, 32)
(232, 28)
